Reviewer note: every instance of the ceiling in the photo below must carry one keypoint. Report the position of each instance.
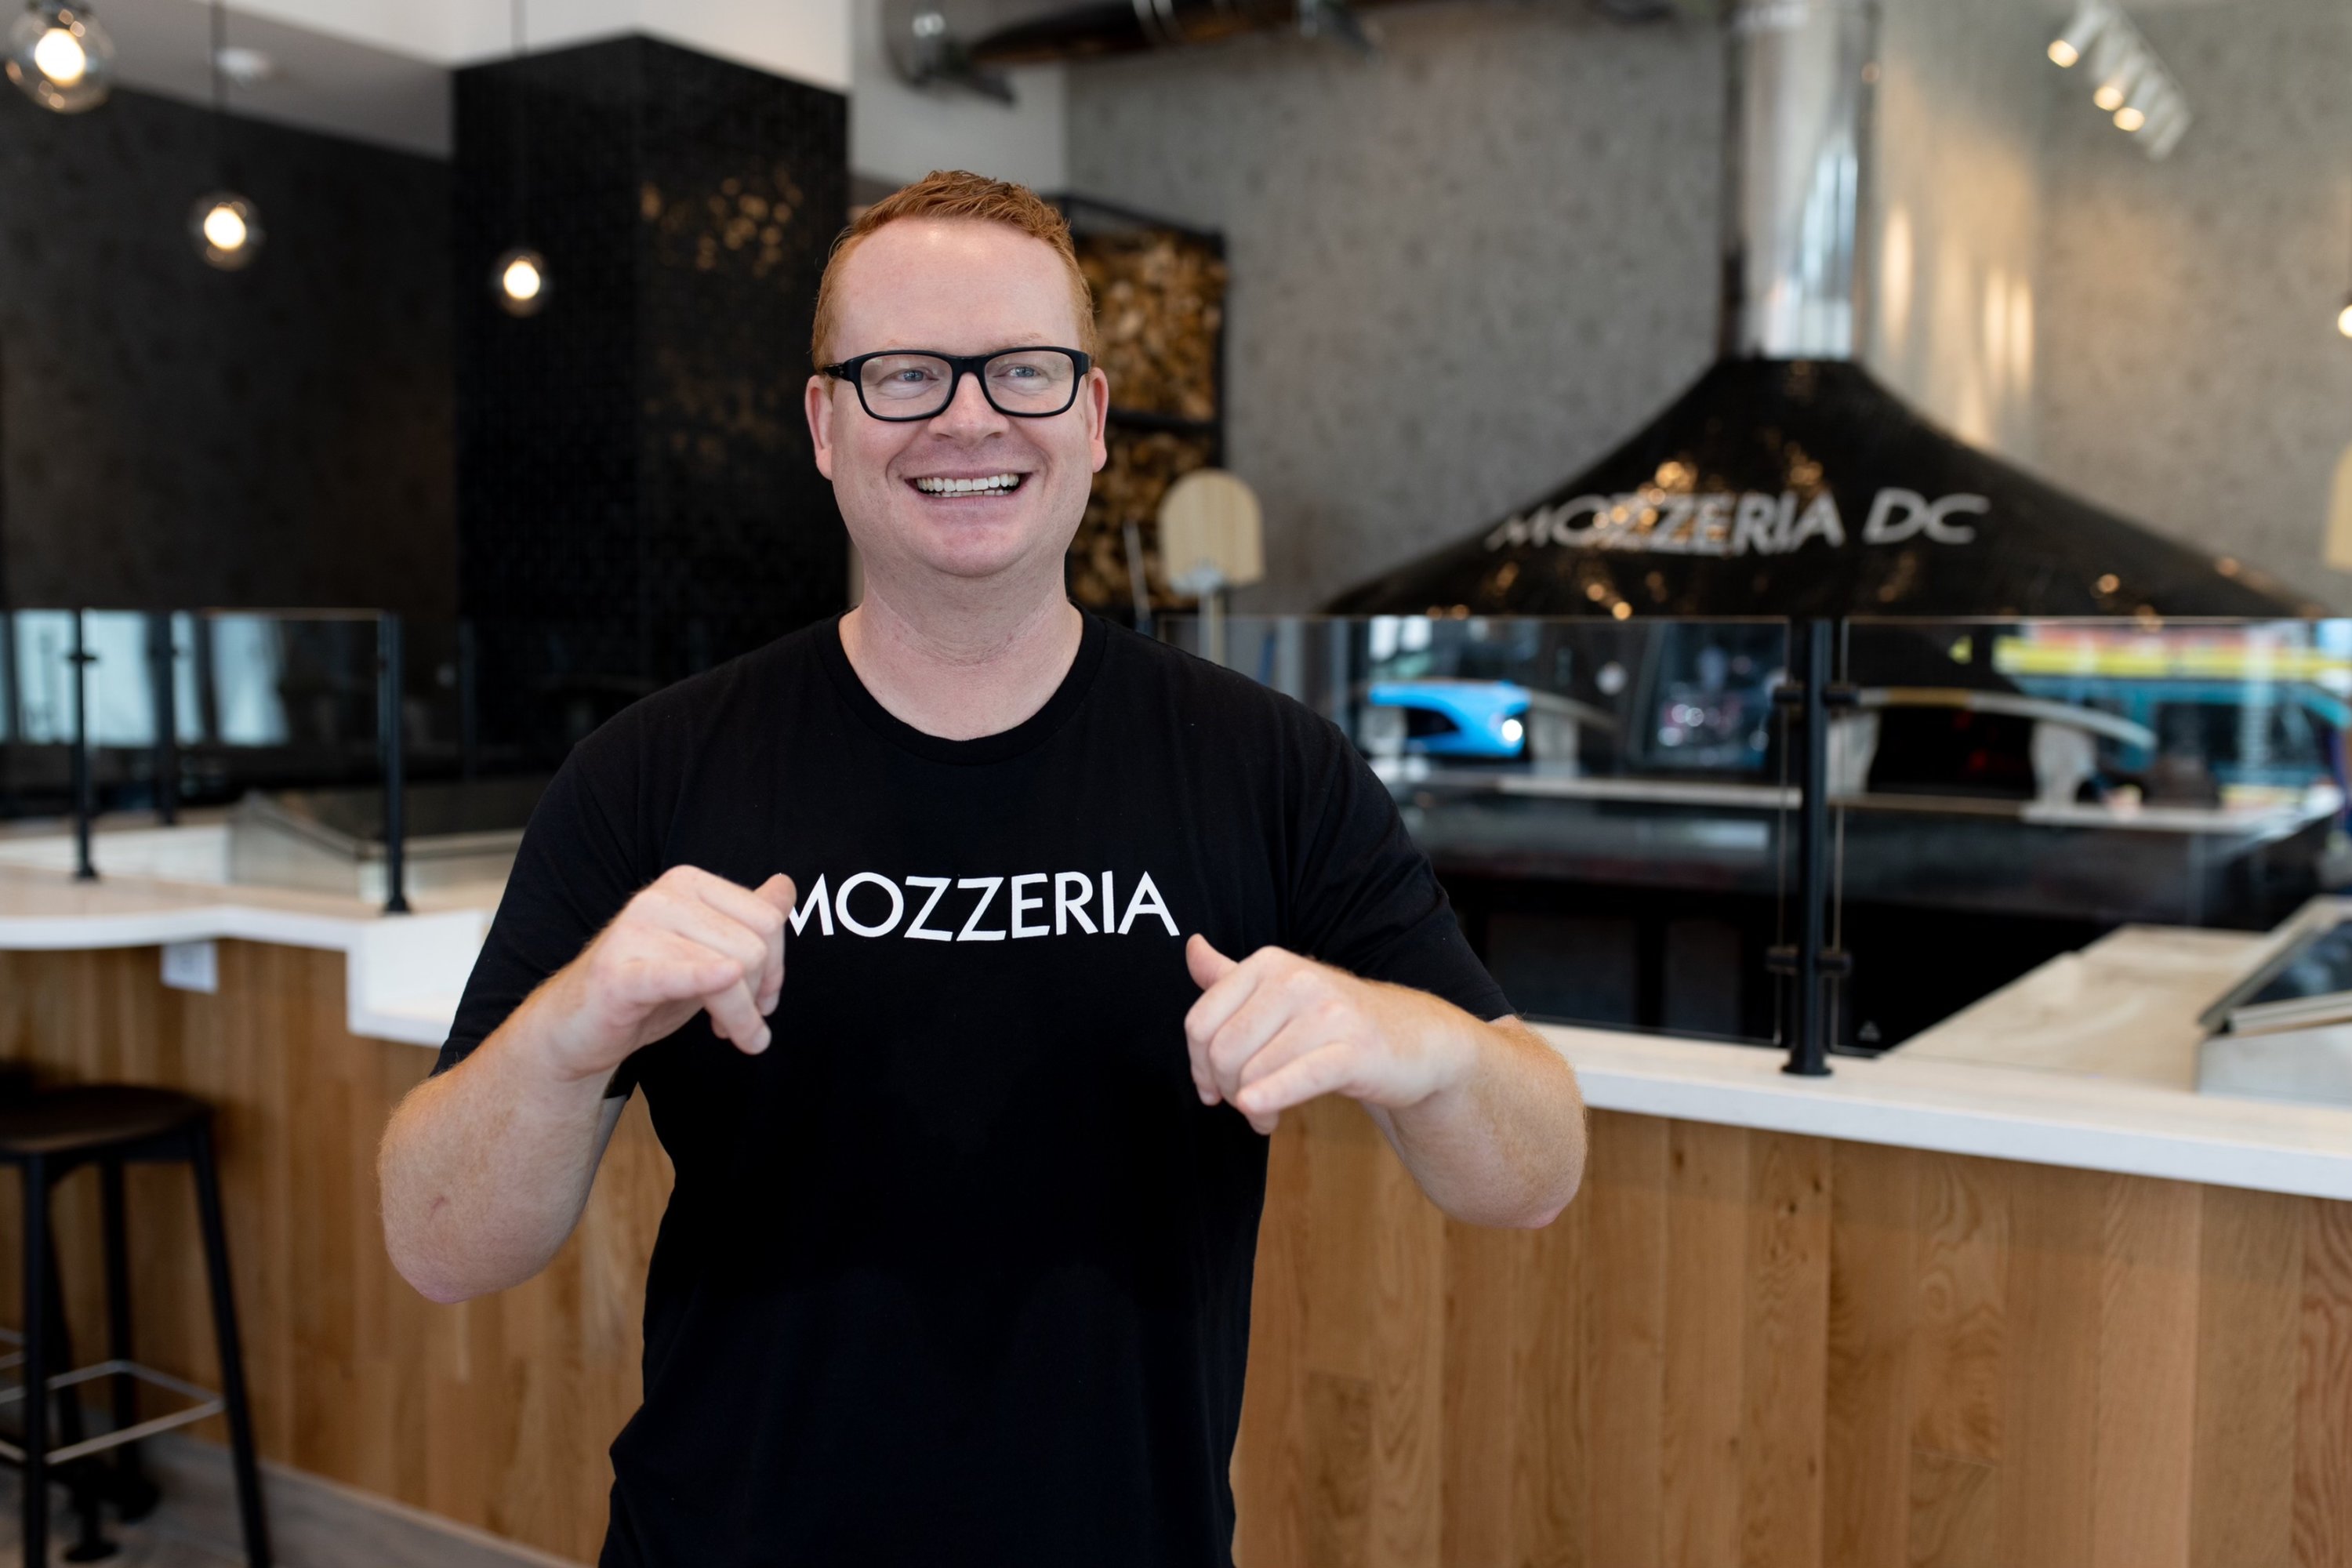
(319, 82)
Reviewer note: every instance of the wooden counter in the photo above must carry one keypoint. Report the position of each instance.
(1738, 1346)
(1743, 1347)
(495, 1413)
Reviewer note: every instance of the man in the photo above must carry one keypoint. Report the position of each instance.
(957, 1265)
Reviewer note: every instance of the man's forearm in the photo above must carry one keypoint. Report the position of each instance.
(484, 1170)
(1503, 1146)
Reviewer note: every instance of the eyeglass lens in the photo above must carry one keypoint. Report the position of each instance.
(1030, 382)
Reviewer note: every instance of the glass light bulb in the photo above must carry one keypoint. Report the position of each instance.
(2129, 118)
(60, 58)
(2343, 319)
(2064, 53)
(227, 229)
(2110, 96)
(519, 281)
(224, 228)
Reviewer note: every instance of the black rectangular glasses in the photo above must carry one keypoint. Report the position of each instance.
(901, 384)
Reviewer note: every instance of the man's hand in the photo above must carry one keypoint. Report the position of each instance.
(688, 943)
(1275, 1030)
(484, 1169)
(1485, 1113)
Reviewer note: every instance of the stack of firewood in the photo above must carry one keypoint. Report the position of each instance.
(1159, 298)
(1142, 465)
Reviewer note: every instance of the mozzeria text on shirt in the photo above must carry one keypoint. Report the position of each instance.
(958, 1270)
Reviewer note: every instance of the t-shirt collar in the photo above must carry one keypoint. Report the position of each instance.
(1030, 733)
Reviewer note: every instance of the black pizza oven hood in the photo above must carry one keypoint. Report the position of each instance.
(1804, 488)
(1788, 481)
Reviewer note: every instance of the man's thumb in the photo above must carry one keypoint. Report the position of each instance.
(779, 891)
(1207, 964)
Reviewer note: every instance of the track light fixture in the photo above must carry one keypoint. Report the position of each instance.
(60, 58)
(2132, 87)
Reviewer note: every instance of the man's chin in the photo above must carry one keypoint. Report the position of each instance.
(980, 553)
(974, 561)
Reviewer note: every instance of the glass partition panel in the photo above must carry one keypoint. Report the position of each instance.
(2153, 794)
(269, 700)
(1602, 799)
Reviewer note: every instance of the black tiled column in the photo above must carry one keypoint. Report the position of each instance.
(636, 497)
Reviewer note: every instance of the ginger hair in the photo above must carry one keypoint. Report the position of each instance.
(957, 194)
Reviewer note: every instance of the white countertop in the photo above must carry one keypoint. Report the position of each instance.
(2085, 1062)
(403, 974)
(2002, 1112)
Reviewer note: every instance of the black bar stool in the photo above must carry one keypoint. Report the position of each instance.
(47, 1135)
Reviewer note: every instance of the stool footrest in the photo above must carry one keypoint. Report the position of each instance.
(208, 1403)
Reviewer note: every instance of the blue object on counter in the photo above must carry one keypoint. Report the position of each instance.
(1459, 718)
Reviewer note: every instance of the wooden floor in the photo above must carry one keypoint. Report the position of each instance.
(1735, 1349)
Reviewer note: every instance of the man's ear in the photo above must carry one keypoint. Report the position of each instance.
(1097, 395)
(818, 403)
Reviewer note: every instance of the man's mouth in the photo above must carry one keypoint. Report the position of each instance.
(986, 484)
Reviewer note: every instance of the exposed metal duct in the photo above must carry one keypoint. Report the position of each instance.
(969, 43)
(1798, 118)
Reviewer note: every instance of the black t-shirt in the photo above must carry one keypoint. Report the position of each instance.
(958, 1270)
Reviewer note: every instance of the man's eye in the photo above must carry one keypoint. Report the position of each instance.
(911, 377)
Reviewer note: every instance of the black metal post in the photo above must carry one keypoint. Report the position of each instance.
(1810, 965)
(35, 1386)
(244, 1460)
(389, 728)
(12, 710)
(468, 714)
(84, 808)
(128, 1485)
(1809, 648)
(167, 718)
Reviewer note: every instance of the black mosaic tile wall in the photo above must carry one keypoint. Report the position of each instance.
(636, 498)
(171, 435)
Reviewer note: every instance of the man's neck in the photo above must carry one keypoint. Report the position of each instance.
(964, 671)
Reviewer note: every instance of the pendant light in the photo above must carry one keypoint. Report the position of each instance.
(60, 58)
(225, 226)
(518, 277)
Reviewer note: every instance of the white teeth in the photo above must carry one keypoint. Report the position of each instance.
(994, 484)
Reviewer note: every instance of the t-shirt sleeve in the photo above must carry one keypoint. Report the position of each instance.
(578, 864)
(1363, 896)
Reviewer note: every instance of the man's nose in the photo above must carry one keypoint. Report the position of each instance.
(969, 413)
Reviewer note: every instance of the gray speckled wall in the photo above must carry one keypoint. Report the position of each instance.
(1462, 269)
(2191, 372)
(1521, 202)
(1956, 195)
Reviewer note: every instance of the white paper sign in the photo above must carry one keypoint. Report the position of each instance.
(192, 966)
